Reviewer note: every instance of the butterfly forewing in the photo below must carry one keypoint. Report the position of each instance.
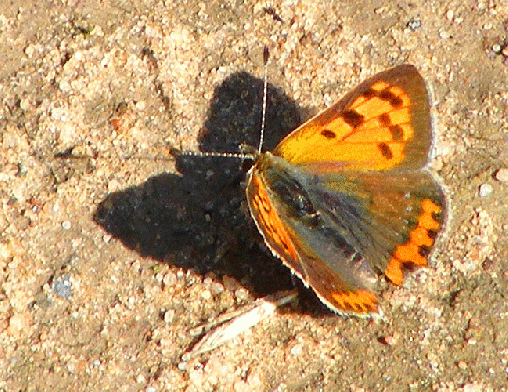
(383, 123)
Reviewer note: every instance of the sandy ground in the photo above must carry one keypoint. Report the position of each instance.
(110, 256)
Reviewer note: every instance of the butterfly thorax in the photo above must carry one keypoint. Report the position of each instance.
(286, 186)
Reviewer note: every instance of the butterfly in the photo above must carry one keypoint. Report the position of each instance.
(346, 197)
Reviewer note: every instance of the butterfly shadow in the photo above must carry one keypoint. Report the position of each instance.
(198, 219)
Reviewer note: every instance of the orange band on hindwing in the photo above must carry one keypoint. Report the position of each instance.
(415, 251)
(361, 301)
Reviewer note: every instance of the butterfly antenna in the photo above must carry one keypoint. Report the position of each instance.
(266, 56)
(238, 155)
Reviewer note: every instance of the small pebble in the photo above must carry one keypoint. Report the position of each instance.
(485, 190)
(169, 316)
(462, 365)
(206, 295)
(170, 279)
(62, 287)
(390, 340)
(140, 105)
(217, 288)
(414, 24)
(444, 34)
(241, 294)
(66, 225)
(472, 387)
(297, 350)
(18, 324)
(502, 175)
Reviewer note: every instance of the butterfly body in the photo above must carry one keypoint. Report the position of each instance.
(345, 197)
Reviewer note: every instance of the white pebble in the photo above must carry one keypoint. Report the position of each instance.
(485, 190)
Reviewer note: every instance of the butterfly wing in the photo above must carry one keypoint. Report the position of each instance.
(337, 232)
(290, 226)
(383, 123)
(391, 218)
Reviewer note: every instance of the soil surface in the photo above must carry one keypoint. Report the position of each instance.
(112, 251)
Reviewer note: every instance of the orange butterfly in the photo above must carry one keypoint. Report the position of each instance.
(345, 197)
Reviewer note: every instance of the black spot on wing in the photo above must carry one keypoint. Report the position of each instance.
(368, 94)
(432, 234)
(424, 250)
(385, 119)
(385, 150)
(353, 118)
(394, 100)
(437, 215)
(328, 134)
(397, 132)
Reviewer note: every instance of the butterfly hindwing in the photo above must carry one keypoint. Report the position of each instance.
(391, 218)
